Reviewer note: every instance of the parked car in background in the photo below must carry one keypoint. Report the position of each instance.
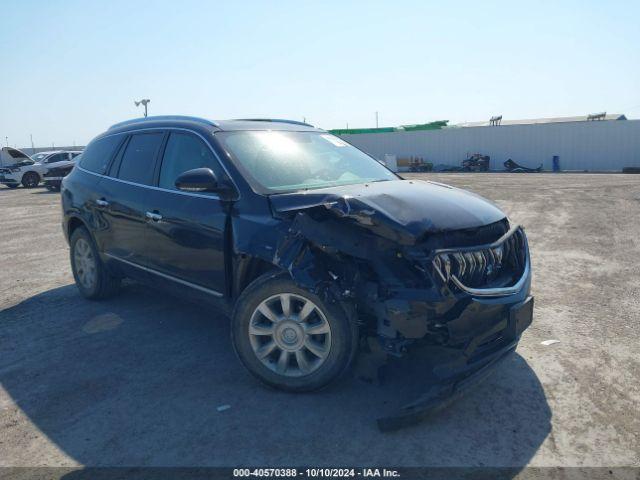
(30, 170)
(55, 156)
(11, 156)
(53, 178)
(21, 170)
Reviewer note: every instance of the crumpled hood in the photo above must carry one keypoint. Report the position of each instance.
(401, 210)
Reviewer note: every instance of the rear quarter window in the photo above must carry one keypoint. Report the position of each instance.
(99, 152)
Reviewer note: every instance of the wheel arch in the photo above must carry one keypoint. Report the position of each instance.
(73, 223)
(247, 269)
(34, 172)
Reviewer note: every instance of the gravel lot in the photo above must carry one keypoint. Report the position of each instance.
(137, 380)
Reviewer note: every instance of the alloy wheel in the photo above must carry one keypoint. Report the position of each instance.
(85, 263)
(290, 335)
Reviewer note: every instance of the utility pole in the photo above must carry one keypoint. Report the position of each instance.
(144, 102)
(33, 149)
(6, 139)
(376, 119)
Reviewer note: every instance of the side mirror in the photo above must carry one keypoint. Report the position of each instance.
(197, 180)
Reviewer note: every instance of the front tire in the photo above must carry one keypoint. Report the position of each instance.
(290, 338)
(30, 180)
(91, 276)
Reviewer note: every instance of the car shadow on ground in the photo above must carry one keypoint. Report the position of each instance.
(45, 191)
(151, 380)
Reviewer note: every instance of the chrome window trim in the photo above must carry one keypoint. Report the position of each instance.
(212, 196)
(132, 132)
(168, 277)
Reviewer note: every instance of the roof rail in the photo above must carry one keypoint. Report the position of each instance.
(275, 120)
(164, 117)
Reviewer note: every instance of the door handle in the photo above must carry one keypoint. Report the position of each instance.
(156, 217)
(101, 202)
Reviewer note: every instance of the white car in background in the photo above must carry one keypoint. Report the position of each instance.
(29, 171)
(11, 156)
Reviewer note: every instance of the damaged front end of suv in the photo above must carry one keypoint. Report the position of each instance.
(418, 265)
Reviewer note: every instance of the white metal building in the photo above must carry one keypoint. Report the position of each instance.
(607, 145)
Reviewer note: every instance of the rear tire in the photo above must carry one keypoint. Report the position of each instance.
(90, 274)
(30, 180)
(290, 338)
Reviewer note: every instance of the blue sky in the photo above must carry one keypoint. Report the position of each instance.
(72, 68)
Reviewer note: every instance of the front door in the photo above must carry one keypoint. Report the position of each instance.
(186, 231)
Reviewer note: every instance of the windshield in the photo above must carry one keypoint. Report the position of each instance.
(277, 161)
(38, 157)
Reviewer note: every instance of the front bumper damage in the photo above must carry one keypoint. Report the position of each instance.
(456, 370)
(413, 286)
(464, 331)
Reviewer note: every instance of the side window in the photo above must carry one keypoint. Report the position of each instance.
(184, 152)
(58, 157)
(74, 155)
(138, 160)
(98, 153)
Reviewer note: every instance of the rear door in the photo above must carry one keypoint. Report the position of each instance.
(186, 232)
(126, 199)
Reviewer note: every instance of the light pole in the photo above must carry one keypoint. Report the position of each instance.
(33, 149)
(376, 119)
(6, 139)
(145, 102)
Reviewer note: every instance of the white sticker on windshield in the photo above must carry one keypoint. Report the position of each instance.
(335, 140)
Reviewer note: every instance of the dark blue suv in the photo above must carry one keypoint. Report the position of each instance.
(319, 250)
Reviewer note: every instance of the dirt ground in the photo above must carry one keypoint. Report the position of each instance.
(137, 380)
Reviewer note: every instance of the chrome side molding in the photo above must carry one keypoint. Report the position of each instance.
(168, 277)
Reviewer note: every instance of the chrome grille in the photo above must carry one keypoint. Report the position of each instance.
(498, 264)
